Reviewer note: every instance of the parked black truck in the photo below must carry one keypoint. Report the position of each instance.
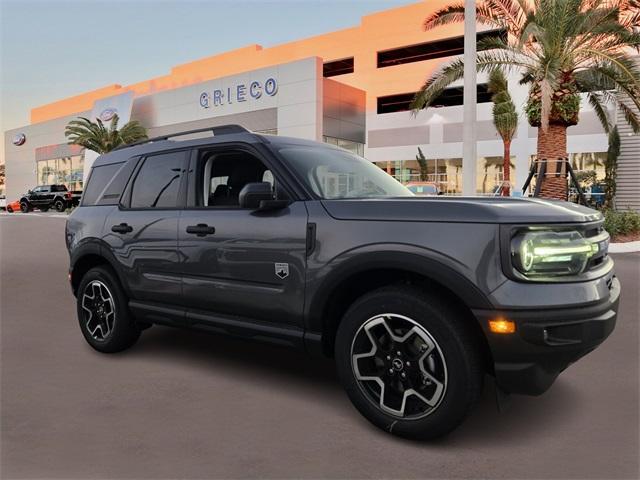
(308, 245)
(44, 197)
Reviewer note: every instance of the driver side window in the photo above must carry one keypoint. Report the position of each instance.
(224, 175)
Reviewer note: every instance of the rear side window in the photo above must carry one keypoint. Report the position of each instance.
(157, 183)
(98, 180)
(112, 193)
(58, 188)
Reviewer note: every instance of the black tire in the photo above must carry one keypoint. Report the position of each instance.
(9, 210)
(122, 331)
(59, 205)
(25, 207)
(455, 351)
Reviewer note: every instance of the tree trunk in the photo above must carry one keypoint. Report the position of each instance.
(506, 170)
(552, 146)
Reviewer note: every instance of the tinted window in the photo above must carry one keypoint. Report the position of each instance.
(450, 97)
(98, 180)
(58, 188)
(338, 67)
(111, 195)
(445, 47)
(158, 181)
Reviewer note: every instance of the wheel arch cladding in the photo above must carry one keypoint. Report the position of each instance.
(368, 272)
(88, 257)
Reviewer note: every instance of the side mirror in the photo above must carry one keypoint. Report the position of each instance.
(259, 196)
(29, 191)
(253, 193)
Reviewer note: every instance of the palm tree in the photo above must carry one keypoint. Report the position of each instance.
(422, 163)
(560, 48)
(611, 167)
(505, 119)
(95, 136)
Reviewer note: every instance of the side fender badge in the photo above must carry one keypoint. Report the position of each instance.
(282, 270)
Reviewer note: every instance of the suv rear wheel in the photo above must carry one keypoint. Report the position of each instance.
(408, 362)
(59, 205)
(103, 313)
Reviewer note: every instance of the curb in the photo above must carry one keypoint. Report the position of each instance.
(627, 247)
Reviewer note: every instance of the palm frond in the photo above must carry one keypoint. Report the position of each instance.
(97, 137)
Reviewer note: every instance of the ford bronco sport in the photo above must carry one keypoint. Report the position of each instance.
(308, 245)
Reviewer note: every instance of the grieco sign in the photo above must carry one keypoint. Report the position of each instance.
(239, 93)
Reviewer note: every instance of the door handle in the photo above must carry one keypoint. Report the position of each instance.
(122, 228)
(201, 230)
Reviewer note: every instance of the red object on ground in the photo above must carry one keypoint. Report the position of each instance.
(13, 206)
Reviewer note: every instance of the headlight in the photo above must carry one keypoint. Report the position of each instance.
(546, 253)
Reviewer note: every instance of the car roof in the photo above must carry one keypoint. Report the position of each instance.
(164, 144)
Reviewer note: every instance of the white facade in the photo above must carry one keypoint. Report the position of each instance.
(291, 99)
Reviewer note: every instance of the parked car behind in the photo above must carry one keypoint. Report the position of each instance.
(426, 189)
(45, 197)
(3, 202)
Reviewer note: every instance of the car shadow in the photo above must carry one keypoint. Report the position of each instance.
(522, 419)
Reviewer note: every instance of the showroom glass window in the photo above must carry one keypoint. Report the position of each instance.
(354, 147)
(158, 182)
(490, 174)
(446, 173)
(67, 171)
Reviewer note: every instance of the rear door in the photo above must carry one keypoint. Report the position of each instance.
(142, 230)
(247, 264)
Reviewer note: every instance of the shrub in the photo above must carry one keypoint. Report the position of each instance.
(617, 222)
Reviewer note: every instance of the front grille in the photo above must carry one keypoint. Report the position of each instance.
(597, 235)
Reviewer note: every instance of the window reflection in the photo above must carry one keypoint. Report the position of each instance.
(351, 146)
(66, 171)
(446, 173)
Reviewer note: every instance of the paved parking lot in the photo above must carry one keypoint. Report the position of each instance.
(187, 405)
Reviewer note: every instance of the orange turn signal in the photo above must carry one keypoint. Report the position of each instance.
(500, 325)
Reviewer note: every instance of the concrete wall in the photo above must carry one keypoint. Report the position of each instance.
(295, 110)
(344, 111)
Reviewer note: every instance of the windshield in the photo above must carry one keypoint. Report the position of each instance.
(332, 173)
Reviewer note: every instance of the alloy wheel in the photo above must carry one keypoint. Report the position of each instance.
(399, 366)
(99, 311)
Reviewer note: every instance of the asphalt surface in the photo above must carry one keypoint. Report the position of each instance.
(187, 405)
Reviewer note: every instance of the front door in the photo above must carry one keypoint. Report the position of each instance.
(142, 231)
(239, 262)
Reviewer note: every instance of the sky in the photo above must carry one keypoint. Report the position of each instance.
(50, 49)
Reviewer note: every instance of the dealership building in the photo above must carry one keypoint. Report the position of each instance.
(351, 88)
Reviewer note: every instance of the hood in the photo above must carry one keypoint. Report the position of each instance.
(461, 209)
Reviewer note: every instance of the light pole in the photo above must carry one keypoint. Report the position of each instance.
(469, 134)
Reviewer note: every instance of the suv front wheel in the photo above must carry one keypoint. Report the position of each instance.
(408, 362)
(103, 313)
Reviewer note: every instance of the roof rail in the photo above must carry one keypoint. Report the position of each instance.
(219, 130)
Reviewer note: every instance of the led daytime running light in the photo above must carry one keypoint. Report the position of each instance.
(551, 251)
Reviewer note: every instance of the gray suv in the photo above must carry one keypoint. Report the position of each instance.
(307, 245)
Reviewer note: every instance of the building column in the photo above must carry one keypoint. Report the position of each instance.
(469, 129)
(520, 145)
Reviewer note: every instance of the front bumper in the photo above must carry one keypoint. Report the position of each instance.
(547, 341)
